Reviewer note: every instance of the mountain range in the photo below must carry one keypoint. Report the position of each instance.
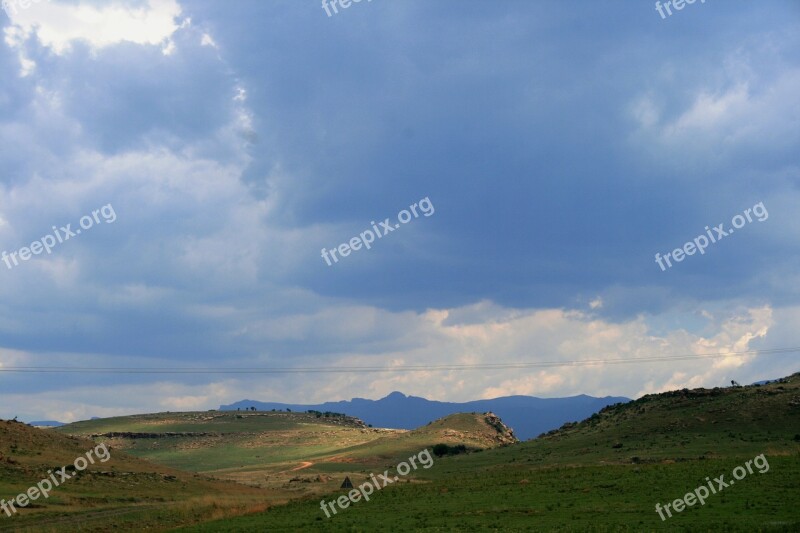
(527, 415)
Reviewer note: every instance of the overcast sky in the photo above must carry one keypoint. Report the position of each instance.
(560, 145)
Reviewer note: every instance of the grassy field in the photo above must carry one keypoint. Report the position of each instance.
(123, 492)
(223, 443)
(295, 455)
(603, 474)
(458, 495)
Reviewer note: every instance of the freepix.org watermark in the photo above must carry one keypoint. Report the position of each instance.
(365, 489)
(701, 242)
(366, 238)
(59, 236)
(45, 486)
(701, 493)
(677, 4)
(328, 5)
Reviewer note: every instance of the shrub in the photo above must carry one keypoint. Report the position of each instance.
(440, 450)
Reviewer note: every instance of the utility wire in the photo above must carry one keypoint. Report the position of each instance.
(401, 368)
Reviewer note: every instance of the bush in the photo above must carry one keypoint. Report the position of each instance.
(440, 450)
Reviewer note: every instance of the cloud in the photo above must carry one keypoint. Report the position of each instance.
(58, 25)
(541, 383)
(235, 143)
(72, 404)
(505, 336)
(746, 104)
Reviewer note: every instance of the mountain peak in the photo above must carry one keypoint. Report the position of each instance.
(527, 415)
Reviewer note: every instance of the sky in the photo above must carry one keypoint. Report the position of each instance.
(539, 155)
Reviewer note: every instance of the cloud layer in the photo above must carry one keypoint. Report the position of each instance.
(236, 142)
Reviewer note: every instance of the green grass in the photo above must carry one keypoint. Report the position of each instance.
(108, 494)
(205, 421)
(603, 474)
(272, 442)
(457, 497)
(234, 451)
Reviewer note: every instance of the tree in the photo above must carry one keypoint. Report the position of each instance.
(440, 450)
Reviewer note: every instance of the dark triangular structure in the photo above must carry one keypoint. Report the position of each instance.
(346, 484)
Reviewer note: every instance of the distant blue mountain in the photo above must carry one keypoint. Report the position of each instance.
(527, 415)
(46, 423)
(766, 382)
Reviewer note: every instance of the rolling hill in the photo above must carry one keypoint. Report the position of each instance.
(297, 453)
(605, 473)
(123, 492)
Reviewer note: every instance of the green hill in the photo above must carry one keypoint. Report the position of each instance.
(603, 474)
(226, 442)
(606, 473)
(684, 424)
(117, 490)
(297, 455)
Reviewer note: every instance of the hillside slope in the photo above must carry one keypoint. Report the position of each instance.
(300, 454)
(122, 491)
(475, 431)
(605, 473)
(685, 424)
(222, 443)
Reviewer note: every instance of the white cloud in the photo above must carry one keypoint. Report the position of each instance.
(531, 336)
(524, 336)
(10, 358)
(57, 26)
(740, 105)
(711, 111)
(207, 40)
(540, 383)
(81, 403)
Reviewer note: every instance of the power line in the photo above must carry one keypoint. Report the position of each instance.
(402, 368)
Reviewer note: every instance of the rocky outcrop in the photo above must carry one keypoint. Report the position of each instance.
(505, 435)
